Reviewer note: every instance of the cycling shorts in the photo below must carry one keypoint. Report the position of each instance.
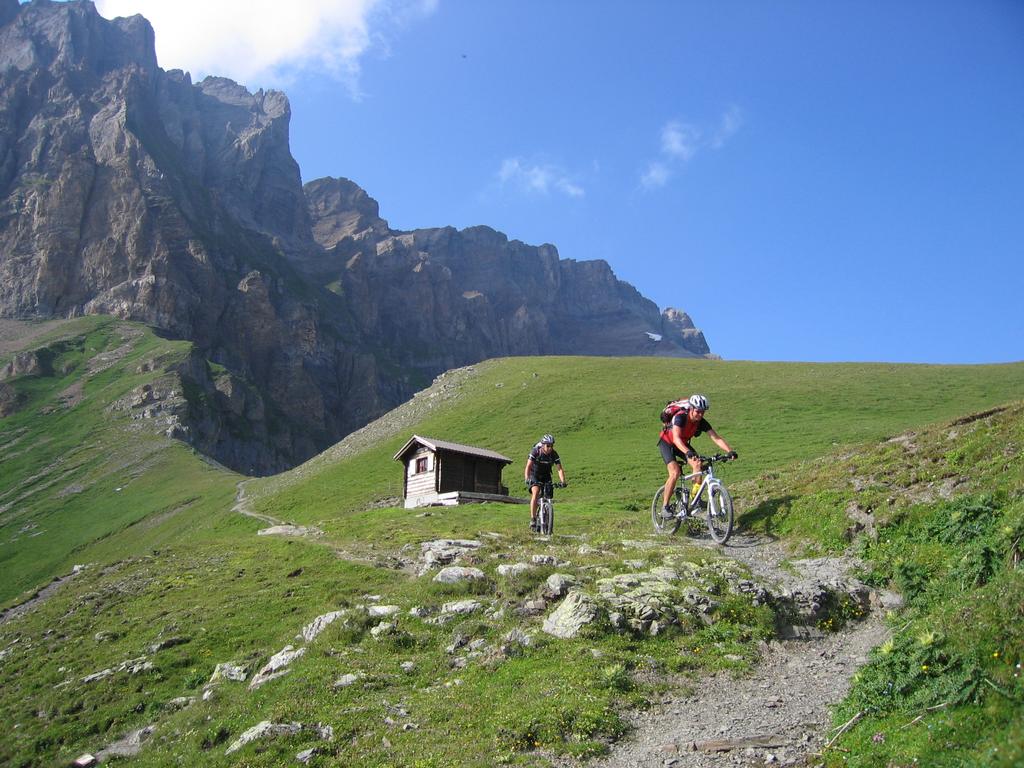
(670, 453)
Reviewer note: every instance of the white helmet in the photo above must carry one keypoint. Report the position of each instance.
(698, 402)
(547, 439)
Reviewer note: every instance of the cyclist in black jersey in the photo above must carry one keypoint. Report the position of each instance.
(543, 457)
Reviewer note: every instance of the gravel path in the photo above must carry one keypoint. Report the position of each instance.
(778, 715)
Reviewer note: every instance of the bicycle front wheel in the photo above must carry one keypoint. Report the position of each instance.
(663, 525)
(720, 514)
(547, 520)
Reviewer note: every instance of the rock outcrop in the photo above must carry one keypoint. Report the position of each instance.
(132, 191)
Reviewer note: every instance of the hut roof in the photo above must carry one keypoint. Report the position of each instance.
(443, 445)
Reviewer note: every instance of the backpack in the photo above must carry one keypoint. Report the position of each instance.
(672, 408)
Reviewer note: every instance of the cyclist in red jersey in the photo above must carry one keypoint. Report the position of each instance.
(674, 441)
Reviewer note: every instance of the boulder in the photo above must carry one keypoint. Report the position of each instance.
(319, 624)
(276, 667)
(575, 612)
(455, 574)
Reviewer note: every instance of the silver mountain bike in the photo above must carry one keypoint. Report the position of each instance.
(712, 500)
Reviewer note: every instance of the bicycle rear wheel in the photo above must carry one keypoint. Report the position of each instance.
(720, 513)
(663, 525)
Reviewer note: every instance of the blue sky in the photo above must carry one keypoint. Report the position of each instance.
(808, 180)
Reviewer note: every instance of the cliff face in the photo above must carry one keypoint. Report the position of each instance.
(443, 297)
(132, 191)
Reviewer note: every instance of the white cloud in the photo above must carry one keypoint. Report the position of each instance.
(656, 175)
(538, 178)
(728, 125)
(681, 142)
(267, 42)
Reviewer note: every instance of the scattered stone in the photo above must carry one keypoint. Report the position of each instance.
(128, 746)
(380, 611)
(181, 702)
(307, 754)
(514, 642)
(533, 607)
(299, 531)
(444, 551)
(514, 571)
(319, 624)
(103, 673)
(408, 667)
(558, 585)
(547, 560)
(264, 730)
(170, 642)
(229, 671)
(136, 666)
(461, 607)
(572, 614)
(383, 629)
(455, 574)
(350, 679)
(85, 761)
(276, 667)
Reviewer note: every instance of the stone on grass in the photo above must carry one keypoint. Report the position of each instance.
(276, 667)
(574, 613)
(455, 574)
(229, 671)
(514, 570)
(269, 730)
(128, 746)
(380, 611)
(318, 625)
(169, 642)
(461, 607)
(558, 585)
(444, 551)
(350, 679)
(180, 703)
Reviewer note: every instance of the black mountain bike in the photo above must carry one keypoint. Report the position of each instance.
(546, 508)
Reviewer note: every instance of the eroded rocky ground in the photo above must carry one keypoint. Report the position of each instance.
(779, 715)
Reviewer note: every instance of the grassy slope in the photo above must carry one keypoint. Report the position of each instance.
(201, 574)
(604, 415)
(75, 472)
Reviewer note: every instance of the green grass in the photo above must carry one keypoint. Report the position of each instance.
(603, 413)
(75, 471)
(172, 560)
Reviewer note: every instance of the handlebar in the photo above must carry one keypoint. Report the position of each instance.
(717, 457)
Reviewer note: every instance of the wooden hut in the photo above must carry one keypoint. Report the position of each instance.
(438, 472)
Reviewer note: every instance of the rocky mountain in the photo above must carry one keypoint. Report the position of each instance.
(129, 190)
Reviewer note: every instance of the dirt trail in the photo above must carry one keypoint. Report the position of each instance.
(778, 715)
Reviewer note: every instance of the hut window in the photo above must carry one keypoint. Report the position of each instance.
(421, 464)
